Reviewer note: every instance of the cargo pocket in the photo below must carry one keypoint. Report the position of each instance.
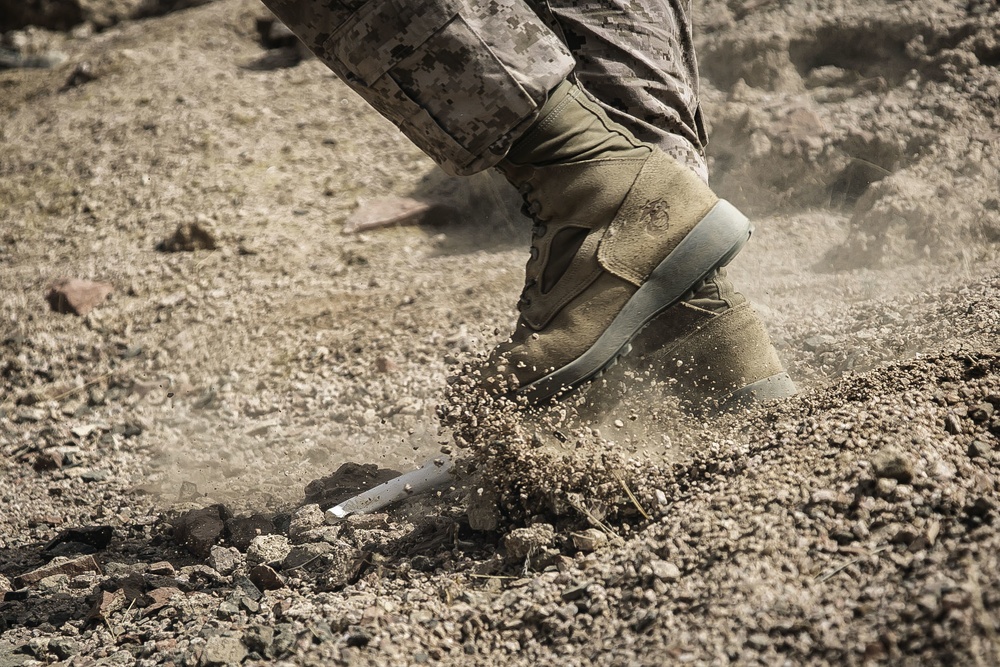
(427, 69)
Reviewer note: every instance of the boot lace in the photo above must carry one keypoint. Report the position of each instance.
(531, 209)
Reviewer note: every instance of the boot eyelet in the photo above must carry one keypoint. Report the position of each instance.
(539, 230)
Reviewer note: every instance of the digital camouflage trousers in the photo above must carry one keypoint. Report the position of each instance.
(463, 79)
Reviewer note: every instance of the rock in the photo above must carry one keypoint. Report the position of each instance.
(305, 554)
(394, 211)
(268, 549)
(107, 603)
(5, 586)
(96, 538)
(343, 564)
(895, 466)
(482, 511)
(81, 74)
(819, 343)
(665, 570)
(94, 475)
(163, 567)
(190, 236)
(982, 412)
(223, 651)
(240, 531)
(266, 578)
(54, 583)
(306, 518)
(980, 450)
(348, 480)
(224, 560)
(246, 588)
(258, 638)
(590, 539)
(952, 424)
(70, 568)
(228, 611)
(77, 297)
(50, 459)
(575, 592)
(521, 543)
(63, 647)
(197, 530)
(160, 598)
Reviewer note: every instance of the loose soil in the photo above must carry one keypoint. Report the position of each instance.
(168, 453)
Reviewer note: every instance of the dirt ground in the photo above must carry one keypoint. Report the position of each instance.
(165, 453)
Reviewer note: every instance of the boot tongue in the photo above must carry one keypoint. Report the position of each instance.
(565, 244)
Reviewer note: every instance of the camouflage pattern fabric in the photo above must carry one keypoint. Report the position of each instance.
(636, 59)
(463, 79)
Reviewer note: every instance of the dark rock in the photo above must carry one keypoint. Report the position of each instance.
(190, 236)
(240, 531)
(576, 592)
(357, 639)
(246, 588)
(48, 460)
(77, 297)
(63, 647)
(197, 530)
(894, 466)
(349, 480)
(96, 537)
(982, 412)
(266, 578)
(305, 554)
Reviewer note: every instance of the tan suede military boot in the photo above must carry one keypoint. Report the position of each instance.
(622, 233)
(712, 350)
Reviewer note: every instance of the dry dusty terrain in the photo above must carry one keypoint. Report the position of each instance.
(167, 454)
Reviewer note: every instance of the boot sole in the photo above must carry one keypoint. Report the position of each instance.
(711, 244)
(768, 389)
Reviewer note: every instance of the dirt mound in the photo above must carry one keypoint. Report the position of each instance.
(885, 114)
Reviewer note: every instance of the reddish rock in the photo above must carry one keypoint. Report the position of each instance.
(266, 578)
(76, 296)
(70, 568)
(106, 604)
(160, 598)
(163, 567)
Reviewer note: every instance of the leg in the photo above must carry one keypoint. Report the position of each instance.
(461, 80)
(636, 58)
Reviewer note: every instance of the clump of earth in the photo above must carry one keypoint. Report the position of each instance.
(235, 296)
